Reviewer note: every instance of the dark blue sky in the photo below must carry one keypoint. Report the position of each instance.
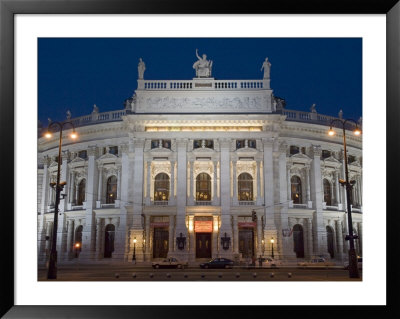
(75, 73)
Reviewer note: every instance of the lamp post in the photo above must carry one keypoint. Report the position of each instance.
(272, 247)
(52, 271)
(134, 250)
(353, 268)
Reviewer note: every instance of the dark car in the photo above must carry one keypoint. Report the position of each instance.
(218, 263)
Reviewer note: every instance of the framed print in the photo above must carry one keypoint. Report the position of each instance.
(195, 170)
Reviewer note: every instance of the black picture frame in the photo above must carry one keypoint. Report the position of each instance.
(8, 10)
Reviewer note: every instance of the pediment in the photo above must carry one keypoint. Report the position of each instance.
(160, 150)
(107, 156)
(246, 150)
(202, 150)
(300, 157)
(77, 160)
(331, 161)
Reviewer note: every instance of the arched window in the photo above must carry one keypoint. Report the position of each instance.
(81, 192)
(161, 187)
(296, 190)
(111, 195)
(203, 187)
(327, 192)
(329, 238)
(298, 240)
(245, 187)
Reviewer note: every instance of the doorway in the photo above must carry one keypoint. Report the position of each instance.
(160, 243)
(246, 242)
(203, 245)
(109, 240)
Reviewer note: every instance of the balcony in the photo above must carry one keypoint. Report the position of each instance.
(160, 203)
(203, 202)
(246, 202)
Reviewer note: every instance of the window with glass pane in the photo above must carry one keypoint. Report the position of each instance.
(161, 187)
(81, 192)
(113, 150)
(82, 154)
(296, 190)
(240, 144)
(326, 154)
(252, 143)
(203, 187)
(166, 144)
(196, 144)
(111, 195)
(209, 143)
(294, 150)
(245, 187)
(154, 143)
(327, 192)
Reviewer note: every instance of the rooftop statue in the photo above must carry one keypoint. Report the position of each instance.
(68, 114)
(202, 66)
(267, 68)
(141, 68)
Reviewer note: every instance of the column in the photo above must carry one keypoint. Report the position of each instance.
(45, 185)
(259, 234)
(119, 184)
(147, 238)
(234, 181)
(215, 199)
(289, 193)
(309, 237)
(338, 201)
(100, 187)
(235, 235)
(269, 183)
(62, 225)
(171, 227)
(215, 241)
(98, 237)
(309, 203)
(191, 186)
(258, 184)
(339, 237)
(172, 190)
(70, 237)
(148, 182)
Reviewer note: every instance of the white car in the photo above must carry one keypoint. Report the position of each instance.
(270, 262)
(316, 262)
(169, 262)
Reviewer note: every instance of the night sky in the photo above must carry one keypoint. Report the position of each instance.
(75, 73)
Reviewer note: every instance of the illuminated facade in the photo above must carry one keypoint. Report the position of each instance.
(198, 169)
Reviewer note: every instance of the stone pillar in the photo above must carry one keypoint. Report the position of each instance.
(99, 236)
(100, 187)
(191, 184)
(339, 238)
(319, 230)
(235, 182)
(214, 197)
(269, 184)
(259, 234)
(148, 182)
(259, 202)
(235, 238)
(171, 228)
(172, 190)
(147, 252)
(309, 238)
(338, 201)
(180, 226)
(70, 238)
(119, 184)
(225, 179)
(136, 228)
(215, 242)
(309, 202)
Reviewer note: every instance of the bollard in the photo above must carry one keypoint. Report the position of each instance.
(237, 275)
(220, 275)
(289, 275)
(117, 275)
(254, 274)
(272, 275)
(151, 275)
(134, 275)
(168, 275)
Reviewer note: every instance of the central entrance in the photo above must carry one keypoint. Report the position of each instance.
(203, 245)
(246, 243)
(160, 243)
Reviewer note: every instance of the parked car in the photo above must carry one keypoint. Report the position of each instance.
(270, 262)
(217, 263)
(316, 262)
(359, 263)
(169, 262)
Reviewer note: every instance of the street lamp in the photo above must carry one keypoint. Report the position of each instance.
(134, 250)
(52, 271)
(353, 267)
(272, 247)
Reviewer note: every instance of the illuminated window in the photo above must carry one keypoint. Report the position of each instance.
(161, 187)
(203, 187)
(296, 190)
(245, 187)
(111, 195)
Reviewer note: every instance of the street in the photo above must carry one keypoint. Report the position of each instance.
(129, 272)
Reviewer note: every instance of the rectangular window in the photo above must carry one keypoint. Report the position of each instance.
(196, 144)
(113, 150)
(240, 144)
(325, 154)
(294, 150)
(166, 144)
(351, 159)
(82, 154)
(155, 143)
(252, 143)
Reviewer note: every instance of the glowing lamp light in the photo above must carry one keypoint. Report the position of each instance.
(331, 132)
(134, 240)
(272, 240)
(74, 135)
(190, 225)
(48, 135)
(77, 245)
(357, 131)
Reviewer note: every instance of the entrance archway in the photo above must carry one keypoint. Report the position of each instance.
(109, 240)
(329, 237)
(298, 239)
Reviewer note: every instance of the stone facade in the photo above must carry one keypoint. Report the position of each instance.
(191, 163)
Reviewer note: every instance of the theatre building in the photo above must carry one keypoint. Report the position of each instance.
(197, 169)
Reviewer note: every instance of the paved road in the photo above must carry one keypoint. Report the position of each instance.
(127, 272)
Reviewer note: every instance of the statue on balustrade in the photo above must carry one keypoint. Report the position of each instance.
(202, 66)
(141, 68)
(267, 68)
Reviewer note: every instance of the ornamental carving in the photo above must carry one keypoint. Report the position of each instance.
(203, 167)
(249, 168)
(160, 167)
